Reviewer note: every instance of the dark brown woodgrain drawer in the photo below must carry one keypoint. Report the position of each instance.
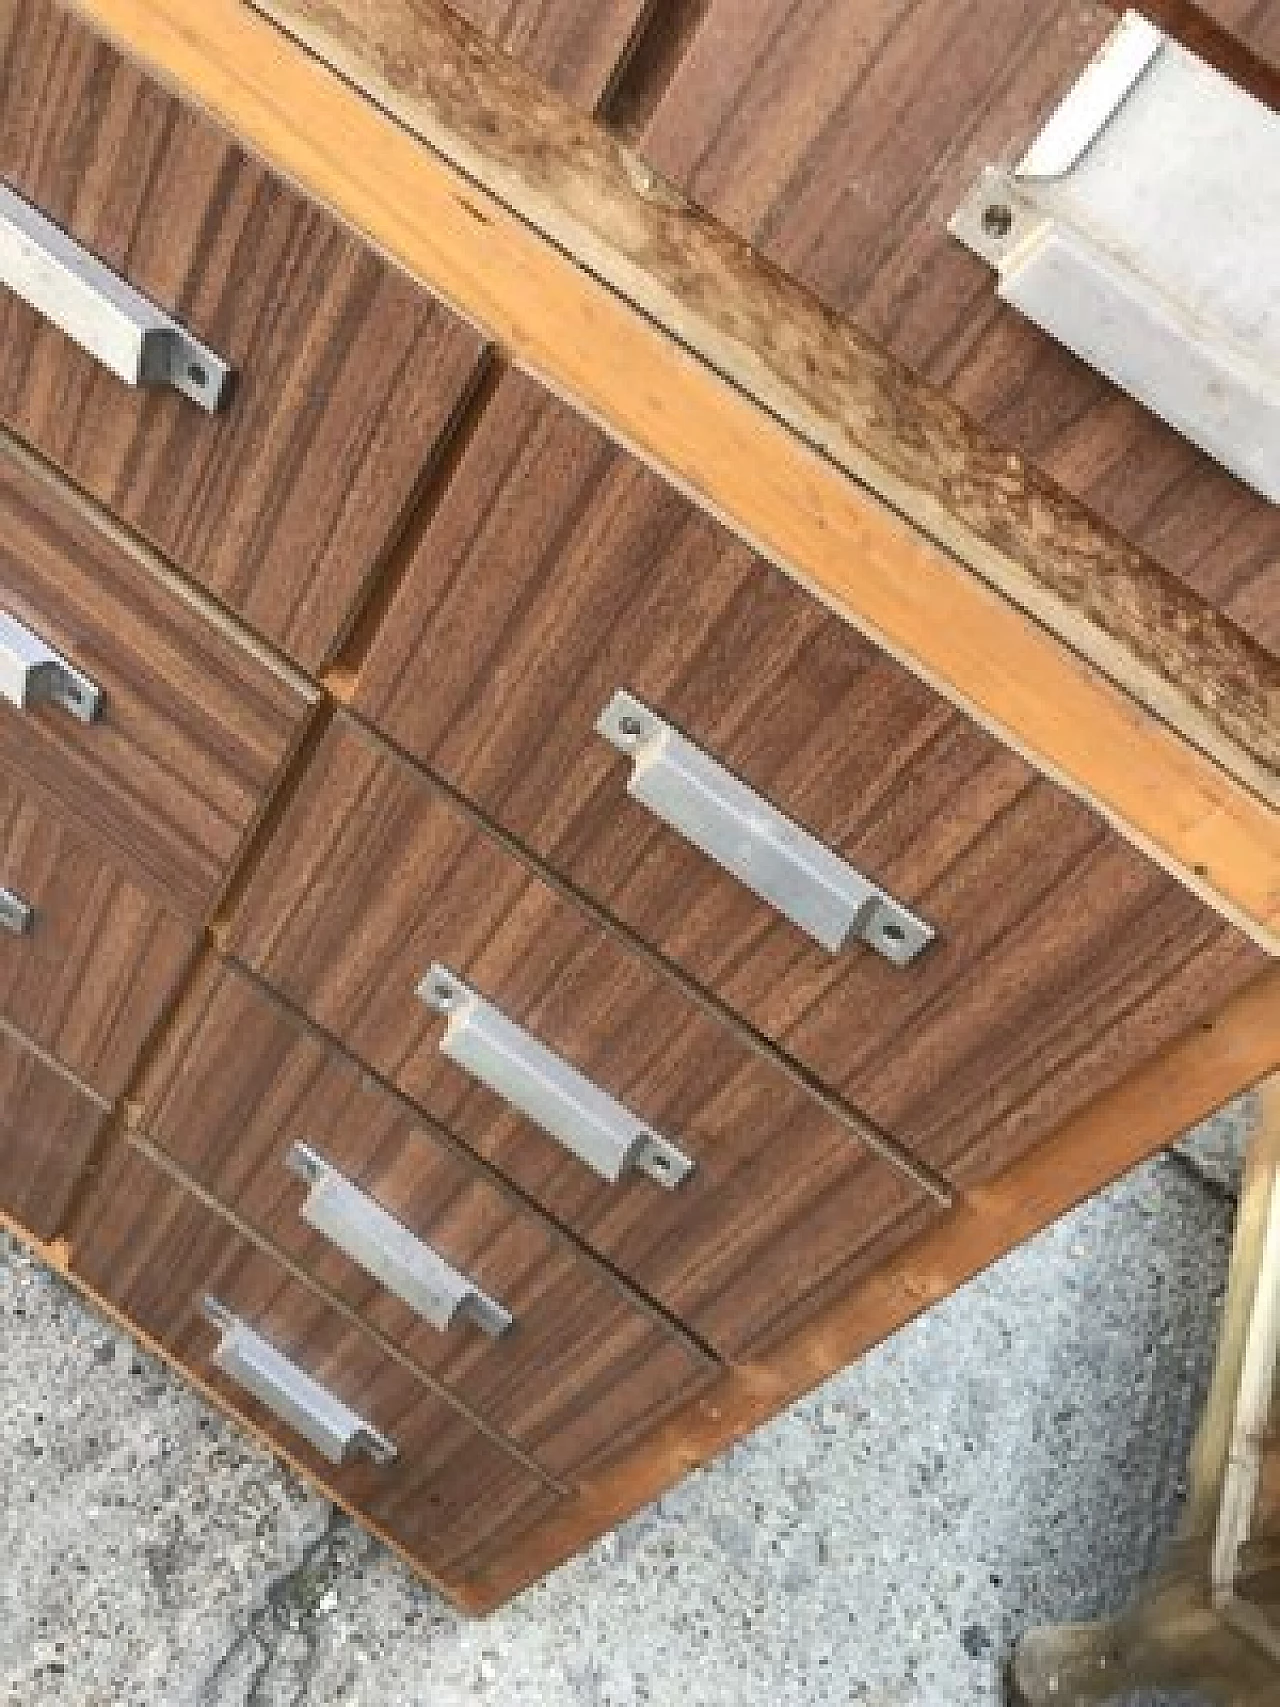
(192, 727)
(525, 1329)
(556, 572)
(373, 876)
(156, 1253)
(48, 1126)
(88, 958)
(345, 374)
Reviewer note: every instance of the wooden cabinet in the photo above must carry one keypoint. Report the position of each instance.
(158, 1254)
(501, 1093)
(48, 1128)
(91, 973)
(579, 1369)
(282, 503)
(192, 728)
(374, 875)
(556, 572)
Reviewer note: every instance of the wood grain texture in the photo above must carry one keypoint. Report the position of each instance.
(557, 570)
(55, 1255)
(1255, 22)
(582, 1372)
(155, 1252)
(373, 875)
(347, 374)
(575, 46)
(1153, 1106)
(601, 258)
(48, 1128)
(1230, 1518)
(841, 138)
(92, 976)
(194, 728)
(1240, 38)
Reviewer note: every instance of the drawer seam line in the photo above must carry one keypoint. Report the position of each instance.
(137, 1140)
(616, 1277)
(859, 1126)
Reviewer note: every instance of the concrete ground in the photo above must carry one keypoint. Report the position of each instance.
(1014, 1457)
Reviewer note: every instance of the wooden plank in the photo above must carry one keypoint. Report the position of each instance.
(194, 727)
(92, 976)
(584, 1369)
(1236, 1435)
(374, 875)
(347, 376)
(841, 138)
(787, 450)
(555, 570)
(1130, 1123)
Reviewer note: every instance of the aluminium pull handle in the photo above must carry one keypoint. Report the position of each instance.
(31, 671)
(16, 915)
(795, 873)
(388, 1251)
(586, 1120)
(119, 327)
(318, 1415)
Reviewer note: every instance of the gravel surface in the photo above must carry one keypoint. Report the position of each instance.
(1015, 1457)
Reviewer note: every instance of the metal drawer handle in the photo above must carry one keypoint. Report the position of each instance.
(31, 671)
(100, 311)
(387, 1250)
(332, 1428)
(783, 864)
(543, 1086)
(16, 915)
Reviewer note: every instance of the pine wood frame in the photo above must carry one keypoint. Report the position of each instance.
(770, 412)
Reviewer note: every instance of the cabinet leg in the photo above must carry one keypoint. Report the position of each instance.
(1171, 1641)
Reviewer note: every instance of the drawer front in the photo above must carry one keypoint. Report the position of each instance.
(89, 958)
(48, 1128)
(156, 1254)
(190, 729)
(373, 877)
(488, 1299)
(557, 573)
(345, 375)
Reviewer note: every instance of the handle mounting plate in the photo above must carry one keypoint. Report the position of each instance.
(820, 893)
(31, 671)
(319, 1416)
(16, 915)
(586, 1120)
(387, 1250)
(124, 330)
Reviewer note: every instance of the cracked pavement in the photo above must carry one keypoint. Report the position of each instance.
(1015, 1456)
